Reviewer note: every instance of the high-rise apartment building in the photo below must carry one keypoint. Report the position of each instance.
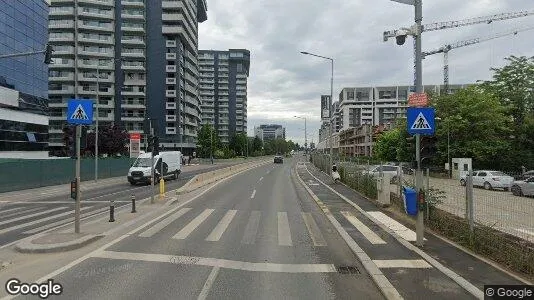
(223, 90)
(137, 57)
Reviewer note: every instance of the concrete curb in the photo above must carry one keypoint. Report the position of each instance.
(201, 180)
(29, 247)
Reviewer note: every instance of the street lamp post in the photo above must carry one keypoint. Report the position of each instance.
(97, 117)
(330, 104)
(305, 135)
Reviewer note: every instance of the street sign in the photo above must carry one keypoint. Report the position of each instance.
(418, 100)
(80, 112)
(421, 120)
(135, 136)
(135, 145)
(326, 105)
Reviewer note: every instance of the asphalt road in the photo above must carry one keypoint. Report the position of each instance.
(258, 235)
(20, 217)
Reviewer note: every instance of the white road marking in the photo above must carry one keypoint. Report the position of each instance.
(284, 233)
(28, 224)
(525, 231)
(61, 222)
(313, 230)
(32, 215)
(65, 202)
(252, 228)
(20, 212)
(218, 231)
(159, 226)
(402, 263)
(253, 194)
(401, 230)
(372, 237)
(209, 282)
(261, 178)
(186, 231)
(221, 263)
(12, 209)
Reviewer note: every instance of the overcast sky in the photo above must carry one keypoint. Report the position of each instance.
(284, 83)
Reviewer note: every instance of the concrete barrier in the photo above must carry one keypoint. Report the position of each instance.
(203, 179)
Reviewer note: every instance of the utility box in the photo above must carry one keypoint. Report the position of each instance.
(460, 167)
(383, 188)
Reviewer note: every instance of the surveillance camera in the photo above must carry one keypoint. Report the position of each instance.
(401, 39)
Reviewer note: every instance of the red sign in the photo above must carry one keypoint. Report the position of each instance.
(135, 136)
(418, 100)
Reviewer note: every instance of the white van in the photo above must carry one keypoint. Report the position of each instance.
(141, 168)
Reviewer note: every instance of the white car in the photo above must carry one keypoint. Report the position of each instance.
(523, 187)
(490, 180)
(386, 169)
(167, 162)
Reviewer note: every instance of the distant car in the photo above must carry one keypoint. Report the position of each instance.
(278, 159)
(490, 180)
(523, 187)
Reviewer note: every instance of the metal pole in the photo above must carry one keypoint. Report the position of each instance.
(97, 117)
(211, 145)
(449, 152)
(22, 54)
(330, 112)
(305, 137)
(420, 229)
(78, 196)
(153, 178)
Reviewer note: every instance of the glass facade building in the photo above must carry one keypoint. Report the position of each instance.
(24, 28)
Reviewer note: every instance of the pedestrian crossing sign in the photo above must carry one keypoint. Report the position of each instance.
(421, 121)
(80, 112)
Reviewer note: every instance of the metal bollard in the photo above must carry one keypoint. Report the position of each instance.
(133, 204)
(112, 211)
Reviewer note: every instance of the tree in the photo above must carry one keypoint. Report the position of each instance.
(112, 140)
(257, 144)
(238, 142)
(478, 126)
(392, 145)
(206, 136)
(514, 86)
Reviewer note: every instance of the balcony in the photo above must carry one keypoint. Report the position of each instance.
(133, 41)
(133, 67)
(132, 92)
(63, 51)
(170, 68)
(101, 15)
(140, 54)
(65, 91)
(133, 118)
(92, 66)
(64, 24)
(108, 27)
(170, 93)
(109, 3)
(94, 79)
(132, 17)
(170, 105)
(92, 91)
(170, 56)
(170, 80)
(128, 28)
(170, 118)
(133, 104)
(132, 3)
(95, 53)
(96, 40)
(134, 81)
(170, 130)
(66, 77)
(65, 11)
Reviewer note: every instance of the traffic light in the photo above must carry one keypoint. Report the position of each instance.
(429, 150)
(48, 54)
(156, 146)
(411, 148)
(69, 139)
(150, 142)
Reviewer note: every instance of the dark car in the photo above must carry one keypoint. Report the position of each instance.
(278, 159)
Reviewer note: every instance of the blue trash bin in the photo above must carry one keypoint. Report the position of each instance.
(409, 196)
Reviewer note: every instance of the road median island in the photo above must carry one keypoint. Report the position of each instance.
(204, 179)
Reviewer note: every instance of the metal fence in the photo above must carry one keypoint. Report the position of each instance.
(26, 174)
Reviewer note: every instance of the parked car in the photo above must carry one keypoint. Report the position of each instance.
(278, 159)
(523, 187)
(490, 180)
(525, 175)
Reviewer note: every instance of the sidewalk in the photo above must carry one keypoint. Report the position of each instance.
(475, 270)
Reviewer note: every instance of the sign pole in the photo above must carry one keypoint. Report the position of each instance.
(78, 203)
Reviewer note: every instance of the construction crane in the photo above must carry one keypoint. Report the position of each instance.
(454, 24)
(446, 48)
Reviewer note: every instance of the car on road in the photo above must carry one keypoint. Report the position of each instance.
(523, 187)
(489, 180)
(278, 159)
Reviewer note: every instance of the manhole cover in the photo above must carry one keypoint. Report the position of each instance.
(347, 270)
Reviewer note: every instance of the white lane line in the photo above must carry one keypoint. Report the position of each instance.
(28, 224)
(252, 228)
(402, 263)
(60, 222)
(160, 225)
(186, 231)
(372, 237)
(209, 282)
(253, 194)
(525, 231)
(21, 212)
(284, 233)
(12, 209)
(32, 215)
(217, 262)
(401, 230)
(261, 178)
(313, 230)
(218, 231)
